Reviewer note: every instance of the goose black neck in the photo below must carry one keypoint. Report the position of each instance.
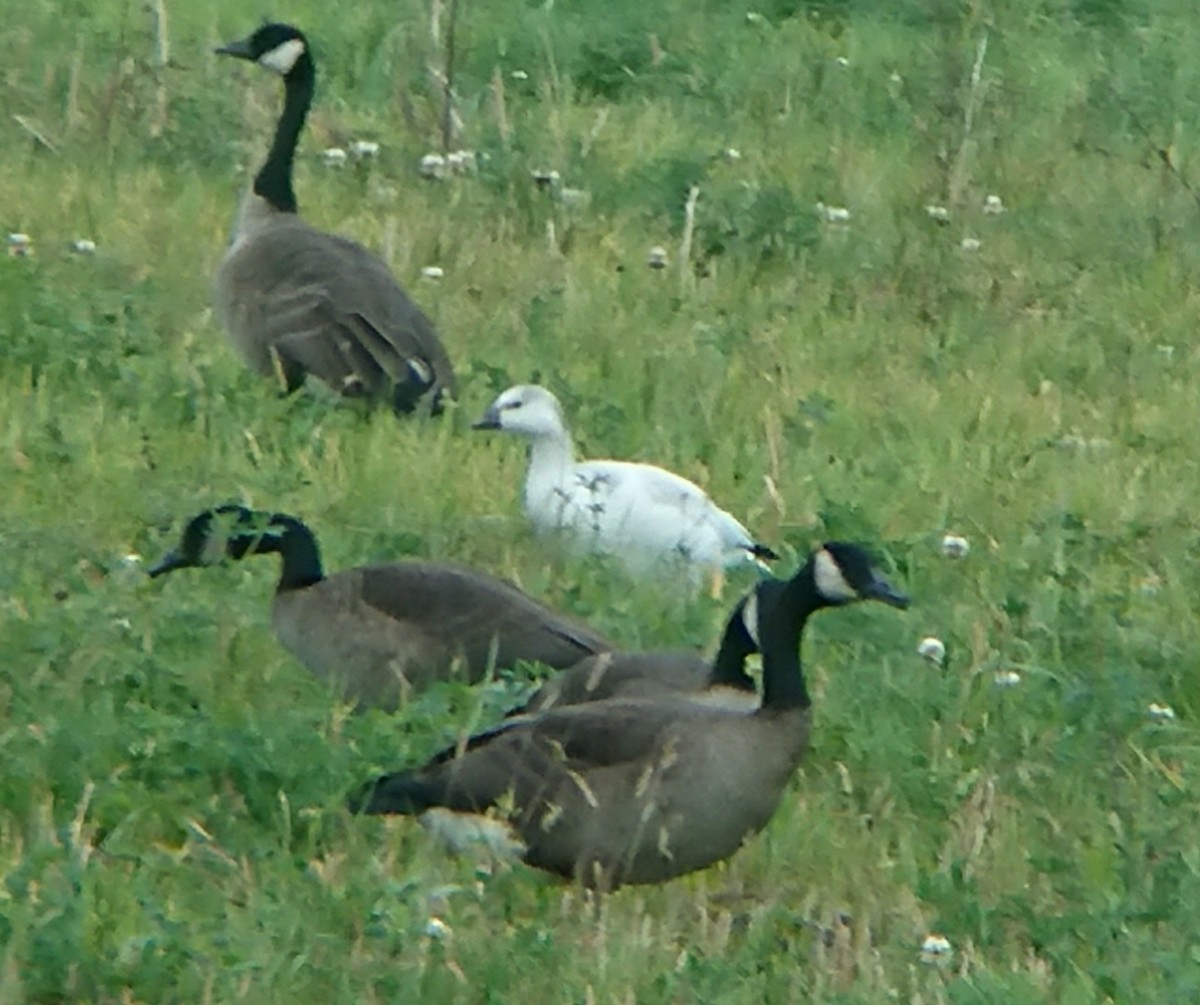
(783, 611)
(729, 666)
(297, 548)
(274, 180)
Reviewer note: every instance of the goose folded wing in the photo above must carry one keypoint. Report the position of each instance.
(308, 335)
(621, 675)
(526, 758)
(651, 505)
(484, 616)
(646, 485)
(665, 487)
(578, 738)
(357, 300)
(692, 504)
(605, 490)
(410, 374)
(392, 325)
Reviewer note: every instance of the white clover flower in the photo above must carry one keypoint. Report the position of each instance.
(1083, 445)
(935, 949)
(843, 61)
(732, 154)
(938, 214)
(657, 257)
(333, 157)
(543, 178)
(83, 246)
(971, 244)
(519, 75)
(1007, 678)
(833, 214)
(955, 546)
(993, 205)
(461, 161)
(1160, 713)
(435, 928)
(364, 149)
(432, 166)
(433, 272)
(933, 649)
(19, 245)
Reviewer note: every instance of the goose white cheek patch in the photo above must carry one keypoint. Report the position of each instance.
(283, 57)
(831, 584)
(750, 617)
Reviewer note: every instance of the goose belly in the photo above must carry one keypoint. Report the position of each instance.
(241, 311)
(656, 823)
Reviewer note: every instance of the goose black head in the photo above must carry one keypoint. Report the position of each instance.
(217, 534)
(276, 47)
(844, 573)
(836, 574)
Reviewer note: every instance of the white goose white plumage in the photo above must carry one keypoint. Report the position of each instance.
(648, 517)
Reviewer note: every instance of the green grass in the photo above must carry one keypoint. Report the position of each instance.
(171, 822)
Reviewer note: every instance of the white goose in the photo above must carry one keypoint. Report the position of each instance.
(644, 515)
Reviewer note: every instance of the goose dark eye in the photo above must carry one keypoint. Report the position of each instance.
(509, 405)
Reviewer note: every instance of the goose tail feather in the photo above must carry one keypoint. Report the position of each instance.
(762, 553)
(399, 793)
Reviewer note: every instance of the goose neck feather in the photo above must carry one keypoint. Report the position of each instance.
(274, 179)
(783, 609)
(299, 554)
(253, 212)
(729, 665)
(551, 463)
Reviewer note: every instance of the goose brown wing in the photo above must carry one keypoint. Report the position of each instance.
(308, 335)
(389, 324)
(483, 617)
(621, 675)
(533, 755)
(326, 304)
(578, 737)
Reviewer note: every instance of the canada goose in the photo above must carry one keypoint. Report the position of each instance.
(642, 791)
(378, 631)
(298, 301)
(648, 517)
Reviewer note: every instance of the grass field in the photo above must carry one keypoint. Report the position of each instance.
(171, 793)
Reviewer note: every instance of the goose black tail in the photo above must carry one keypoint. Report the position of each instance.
(398, 793)
(762, 552)
(406, 394)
